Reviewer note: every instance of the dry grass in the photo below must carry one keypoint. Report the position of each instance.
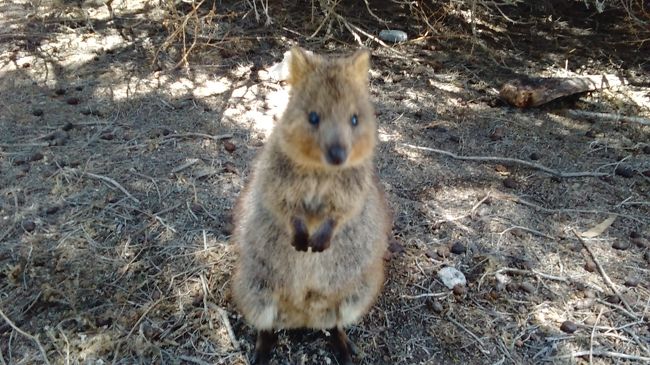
(118, 179)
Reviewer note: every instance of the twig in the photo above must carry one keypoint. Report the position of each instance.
(152, 306)
(194, 360)
(105, 179)
(521, 201)
(9, 145)
(201, 135)
(425, 295)
(33, 338)
(602, 272)
(226, 322)
(187, 164)
(527, 230)
(591, 339)
(608, 116)
(509, 160)
(603, 353)
(481, 345)
(469, 213)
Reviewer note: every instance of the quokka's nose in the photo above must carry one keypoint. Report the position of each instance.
(336, 154)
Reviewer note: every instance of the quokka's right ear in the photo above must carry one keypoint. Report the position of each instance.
(300, 63)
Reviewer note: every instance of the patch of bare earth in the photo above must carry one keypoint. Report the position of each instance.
(118, 174)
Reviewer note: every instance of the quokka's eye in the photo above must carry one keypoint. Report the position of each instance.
(314, 119)
(354, 120)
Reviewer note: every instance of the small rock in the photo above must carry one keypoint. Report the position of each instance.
(500, 168)
(60, 91)
(458, 248)
(510, 183)
(72, 101)
(395, 247)
(443, 251)
(613, 299)
(584, 304)
(624, 171)
(230, 167)
(196, 208)
(29, 225)
(107, 136)
(51, 210)
(621, 245)
(535, 156)
(497, 134)
(527, 287)
(568, 327)
(36, 157)
(229, 146)
(37, 112)
(631, 281)
(436, 306)
(459, 289)
(393, 35)
(590, 266)
(68, 126)
(640, 242)
(451, 277)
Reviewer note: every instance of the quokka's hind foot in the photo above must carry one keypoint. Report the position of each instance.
(343, 347)
(263, 346)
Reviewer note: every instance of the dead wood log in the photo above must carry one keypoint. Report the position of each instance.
(532, 92)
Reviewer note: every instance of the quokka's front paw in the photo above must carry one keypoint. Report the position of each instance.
(300, 235)
(322, 238)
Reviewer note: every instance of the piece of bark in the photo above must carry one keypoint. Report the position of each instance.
(533, 92)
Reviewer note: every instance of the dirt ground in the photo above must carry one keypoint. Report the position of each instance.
(118, 172)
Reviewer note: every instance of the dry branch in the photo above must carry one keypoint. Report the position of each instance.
(108, 180)
(527, 92)
(33, 338)
(603, 353)
(607, 116)
(602, 272)
(506, 160)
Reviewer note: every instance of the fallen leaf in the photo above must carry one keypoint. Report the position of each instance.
(598, 229)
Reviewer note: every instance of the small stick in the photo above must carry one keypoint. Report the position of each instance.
(200, 135)
(471, 211)
(604, 353)
(484, 351)
(591, 339)
(527, 230)
(224, 317)
(602, 272)
(108, 180)
(425, 295)
(608, 116)
(152, 306)
(193, 359)
(33, 338)
(509, 160)
(187, 164)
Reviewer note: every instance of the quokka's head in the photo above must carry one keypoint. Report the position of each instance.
(329, 120)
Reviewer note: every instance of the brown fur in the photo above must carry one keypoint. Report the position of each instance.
(294, 188)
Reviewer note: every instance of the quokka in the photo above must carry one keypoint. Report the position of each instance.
(312, 224)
